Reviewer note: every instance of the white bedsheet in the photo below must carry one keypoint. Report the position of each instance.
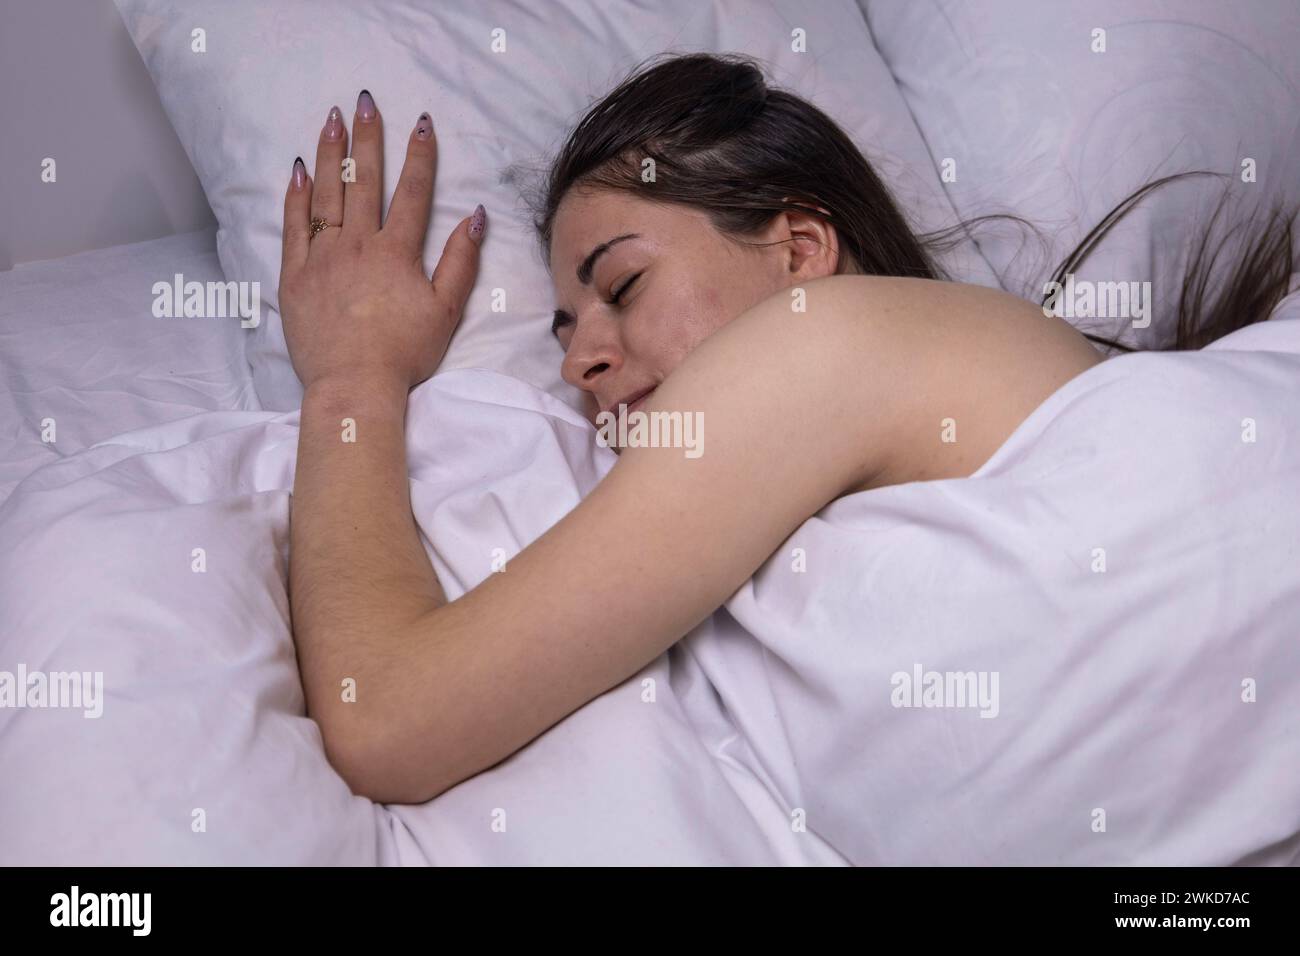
(79, 345)
(202, 706)
(1126, 565)
(1118, 691)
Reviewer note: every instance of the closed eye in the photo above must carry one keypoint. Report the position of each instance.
(626, 285)
(562, 318)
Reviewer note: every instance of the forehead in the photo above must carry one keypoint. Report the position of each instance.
(586, 218)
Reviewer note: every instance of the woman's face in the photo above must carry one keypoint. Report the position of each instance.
(676, 278)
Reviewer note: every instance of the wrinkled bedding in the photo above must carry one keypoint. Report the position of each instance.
(79, 347)
(1146, 712)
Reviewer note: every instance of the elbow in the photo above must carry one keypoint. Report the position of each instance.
(374, 766)
(353, 758)
(388, 747)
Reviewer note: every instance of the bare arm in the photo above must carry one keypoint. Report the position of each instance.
(358, 571)
(798, 409)
(363, 323)
(445, 691)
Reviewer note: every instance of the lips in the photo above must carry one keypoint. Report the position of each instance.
(633, 406)
(633, 400)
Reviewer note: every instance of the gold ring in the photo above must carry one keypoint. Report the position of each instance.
(318, 226)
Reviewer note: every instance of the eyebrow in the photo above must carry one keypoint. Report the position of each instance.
(585, 270)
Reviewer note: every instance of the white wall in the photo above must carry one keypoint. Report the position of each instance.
(73, 87)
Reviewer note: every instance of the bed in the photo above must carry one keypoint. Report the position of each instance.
(146, 465)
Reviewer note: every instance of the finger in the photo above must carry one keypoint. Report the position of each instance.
(361, 199)
(408, 213)
(458, 268)
(297, 219)
(327, 191)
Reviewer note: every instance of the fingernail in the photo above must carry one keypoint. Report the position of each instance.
(365, 107)
(334, 123)
(424, 126)
(299, 174)
(476, 222)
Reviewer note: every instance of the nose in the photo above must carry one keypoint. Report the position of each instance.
(594, 353)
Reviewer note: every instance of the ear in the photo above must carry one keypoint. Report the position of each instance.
(812, 245)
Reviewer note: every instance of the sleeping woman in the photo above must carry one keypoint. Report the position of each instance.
(763, 281)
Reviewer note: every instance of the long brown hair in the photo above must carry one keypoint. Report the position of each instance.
(726, 143)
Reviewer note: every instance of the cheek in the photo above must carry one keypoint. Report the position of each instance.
(706, 312)
(671, 328)
(712, 310)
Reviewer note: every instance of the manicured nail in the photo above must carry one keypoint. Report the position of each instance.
(476, 222)
(334, 124)
(365, 107)
(424, 126)
(299, 174)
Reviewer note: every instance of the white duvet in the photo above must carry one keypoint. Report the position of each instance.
(1119, 586)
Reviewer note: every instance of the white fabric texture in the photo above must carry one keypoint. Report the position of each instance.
(1121, 682)
(1120, 690)
(1042, 122)
(80, 348)
(258, 97)
(203, 707)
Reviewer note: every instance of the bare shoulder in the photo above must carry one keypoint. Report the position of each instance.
(929, 313)
(947, 370)
(978, 361)
(861, 306)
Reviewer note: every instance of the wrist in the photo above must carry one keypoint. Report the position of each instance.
(359, 392)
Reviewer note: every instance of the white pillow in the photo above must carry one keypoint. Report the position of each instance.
(1041, 125)
(258, 95)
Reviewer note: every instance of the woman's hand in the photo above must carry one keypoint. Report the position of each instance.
(354, 299)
